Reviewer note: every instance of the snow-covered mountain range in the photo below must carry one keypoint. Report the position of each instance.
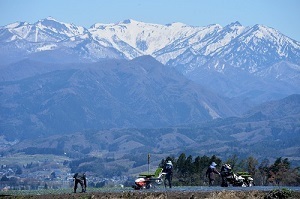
(248, 47)
(212, 55)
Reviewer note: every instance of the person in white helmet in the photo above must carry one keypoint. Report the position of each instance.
(210, 173)
(225, 172)
(168, 169)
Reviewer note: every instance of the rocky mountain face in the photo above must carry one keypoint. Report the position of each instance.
(253, 64)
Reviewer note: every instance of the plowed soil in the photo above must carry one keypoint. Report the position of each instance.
(157, 195)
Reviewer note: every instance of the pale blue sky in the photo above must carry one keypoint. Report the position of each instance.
(283, 15)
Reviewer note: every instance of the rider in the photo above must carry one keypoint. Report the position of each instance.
(211, 170)
(168, 169)
(81, 179)
(225, 172)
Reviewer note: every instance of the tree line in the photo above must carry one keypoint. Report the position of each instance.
(189, 171)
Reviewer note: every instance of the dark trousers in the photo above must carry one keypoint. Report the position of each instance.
(211, 181)
(76, 184)
(169, 178)
(224, 182)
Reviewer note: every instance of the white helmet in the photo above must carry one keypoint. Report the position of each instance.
(227, 166)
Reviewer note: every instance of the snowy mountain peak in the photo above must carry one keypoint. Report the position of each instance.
(237, 23)
(45, 30)
(234, 24)
(264, 32)
(51, 19)
(48, 21)
(15, 25)
(214, 26)
(128, 21)
(177, 24)
(174, 44)
(122, 24)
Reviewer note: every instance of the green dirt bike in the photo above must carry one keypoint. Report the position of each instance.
(240, 179)
(148, 180)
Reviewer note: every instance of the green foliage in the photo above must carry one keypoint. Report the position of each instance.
(189, 171)
(280, 164)
(277, 193)
(252, 165)
(281, 173)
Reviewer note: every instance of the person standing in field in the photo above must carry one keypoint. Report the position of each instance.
(168, 169)
(210, 173)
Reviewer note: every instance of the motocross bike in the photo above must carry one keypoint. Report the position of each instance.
(240, 179)
(148, 181)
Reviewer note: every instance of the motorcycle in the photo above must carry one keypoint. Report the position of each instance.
(240, 179)
(148, 181)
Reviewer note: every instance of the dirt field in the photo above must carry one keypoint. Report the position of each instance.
(157, 195)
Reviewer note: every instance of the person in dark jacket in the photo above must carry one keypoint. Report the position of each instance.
(81, 179)
(225, 172)
(210, 173)
(168, 169)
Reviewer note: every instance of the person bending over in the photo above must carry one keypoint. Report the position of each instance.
(81, 179)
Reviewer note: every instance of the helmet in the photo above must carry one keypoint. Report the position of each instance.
(227, 166)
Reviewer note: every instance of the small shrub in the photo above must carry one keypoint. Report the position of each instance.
(277, 193)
